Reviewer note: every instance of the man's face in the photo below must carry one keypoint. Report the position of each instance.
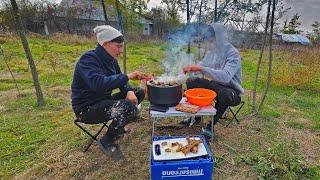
(211, 43)
(113, 48)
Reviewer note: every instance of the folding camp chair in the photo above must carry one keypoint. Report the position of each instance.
(92, 137)
(233, 113)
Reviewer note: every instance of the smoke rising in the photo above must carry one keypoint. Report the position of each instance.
(176, 55)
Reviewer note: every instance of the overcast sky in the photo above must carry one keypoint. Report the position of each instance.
(308, 9)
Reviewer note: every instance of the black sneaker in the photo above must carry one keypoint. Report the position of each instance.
(121, 132)
(111, 150)
(191, 121)
(207, 133)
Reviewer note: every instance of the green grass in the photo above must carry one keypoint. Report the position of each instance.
(36, 142)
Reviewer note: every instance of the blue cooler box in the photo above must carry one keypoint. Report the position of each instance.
(195, 168)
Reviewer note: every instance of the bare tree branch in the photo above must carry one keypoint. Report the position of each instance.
(260, 59)
(270, 57)
(14, 79)
(20, 31)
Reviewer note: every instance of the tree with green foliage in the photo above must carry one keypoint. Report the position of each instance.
(31, 12)
(238, 9)
(138, 5)
(131, 11)
(281, 10)
(172, 10)
(293, 26)
(195, 7)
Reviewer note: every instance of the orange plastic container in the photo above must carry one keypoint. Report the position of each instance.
(200, 96)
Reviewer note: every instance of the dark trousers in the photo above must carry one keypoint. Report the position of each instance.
(226, 96)
(118, 109)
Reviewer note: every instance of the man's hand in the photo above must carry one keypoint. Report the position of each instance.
(147, 77)
(192, 68)
(132, 97)
(134, 75)
(137, 75)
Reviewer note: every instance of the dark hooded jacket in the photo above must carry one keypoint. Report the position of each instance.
(96, 74)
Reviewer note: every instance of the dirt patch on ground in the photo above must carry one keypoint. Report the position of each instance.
(306, 138)
(60, 92)
(309, 143)
(12, 95)
(5, 75)
(303, 121)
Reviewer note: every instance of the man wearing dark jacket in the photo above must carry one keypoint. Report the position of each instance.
(96, 75)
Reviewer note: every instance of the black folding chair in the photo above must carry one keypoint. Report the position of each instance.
(92, 137)
(233, 113)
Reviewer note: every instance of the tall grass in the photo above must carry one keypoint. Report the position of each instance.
(72, 38)
(299, 69)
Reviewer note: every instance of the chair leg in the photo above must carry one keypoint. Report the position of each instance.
(93, 137)
(234, 115)
(88, 145)
(230, 121)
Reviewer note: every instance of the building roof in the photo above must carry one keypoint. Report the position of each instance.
(294, 38)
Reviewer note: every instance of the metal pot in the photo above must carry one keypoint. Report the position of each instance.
(164, 95)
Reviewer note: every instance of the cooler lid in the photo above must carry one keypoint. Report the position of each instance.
(168, 149)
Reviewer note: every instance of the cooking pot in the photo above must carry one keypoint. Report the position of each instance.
(164, 95)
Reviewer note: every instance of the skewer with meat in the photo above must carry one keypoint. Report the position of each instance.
(192, 146)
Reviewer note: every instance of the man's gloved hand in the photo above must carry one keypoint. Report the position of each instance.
(132, 97)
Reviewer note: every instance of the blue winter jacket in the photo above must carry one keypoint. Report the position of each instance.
(96, 74)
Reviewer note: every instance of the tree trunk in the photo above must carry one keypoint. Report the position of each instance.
(270, 57)
(260, 59)
(215, 10)
(188, 21)
(104, 12)
(21, 32)
(125, 44)
(200, 16)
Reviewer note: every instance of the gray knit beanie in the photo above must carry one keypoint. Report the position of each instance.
(106, 33)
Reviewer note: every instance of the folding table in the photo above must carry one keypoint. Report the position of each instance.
(154, 116)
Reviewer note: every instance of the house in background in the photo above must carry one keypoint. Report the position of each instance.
(292, 39)
(90, 14)
(80, 17)
(147, 25)
(289, 41)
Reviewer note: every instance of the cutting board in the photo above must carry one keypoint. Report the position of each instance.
(173, 155)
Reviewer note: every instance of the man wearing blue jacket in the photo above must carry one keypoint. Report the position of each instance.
(222, 68)
(96, 75)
